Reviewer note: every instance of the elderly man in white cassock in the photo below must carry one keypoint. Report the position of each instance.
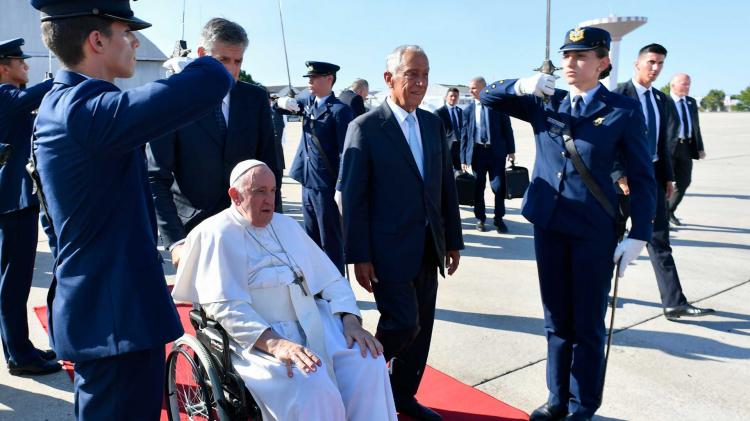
(258, 274)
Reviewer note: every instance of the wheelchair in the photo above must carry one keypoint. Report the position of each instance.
(201, 383)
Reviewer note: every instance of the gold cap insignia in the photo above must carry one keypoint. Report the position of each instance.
(310, 68)
(576, 35)
(598, 121)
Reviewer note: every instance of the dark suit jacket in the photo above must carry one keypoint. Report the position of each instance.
(16, 122)
(386, 201)
(500, 132)
(278, 134)
(451, 133)
(668, 128)
(697, 144)
(356, 102)
(189, 168)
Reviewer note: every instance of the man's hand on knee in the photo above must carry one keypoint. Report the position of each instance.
(354, 332)
(288, 352)
(365, 273)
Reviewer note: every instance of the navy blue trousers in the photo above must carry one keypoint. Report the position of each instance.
(18, 238)
(122, 387)
(574, 279)
(407, 315)
(323, 223)
(486, 165)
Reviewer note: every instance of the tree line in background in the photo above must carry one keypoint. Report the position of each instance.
(714, 100)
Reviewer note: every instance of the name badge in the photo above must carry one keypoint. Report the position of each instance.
(556, 127)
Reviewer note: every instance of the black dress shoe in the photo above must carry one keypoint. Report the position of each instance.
(548, 412)
(674, 220)
(480, 226)
(416, 410)
(501, 227)
(48, 355)
(687, 310)
(38, 366)
(574, 417)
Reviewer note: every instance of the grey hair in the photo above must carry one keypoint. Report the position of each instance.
(479, 79)
(359, 84)
(395, 59)
(222, 30)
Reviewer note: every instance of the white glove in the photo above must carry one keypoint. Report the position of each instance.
(339, 199)
(540, 84)
(288, 103)
(175, 64)
(628, 250)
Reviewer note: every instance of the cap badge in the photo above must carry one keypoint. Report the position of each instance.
(576, 35)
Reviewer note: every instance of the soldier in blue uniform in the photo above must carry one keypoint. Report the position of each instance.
(19, 212)
(316, 164)
(574, 234)
(111, 313)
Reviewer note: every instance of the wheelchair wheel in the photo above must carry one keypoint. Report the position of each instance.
(193, 382)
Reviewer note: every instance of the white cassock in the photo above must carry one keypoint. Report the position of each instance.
(241, 275)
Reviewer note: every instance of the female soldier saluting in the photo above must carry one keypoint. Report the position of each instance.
(574, 228)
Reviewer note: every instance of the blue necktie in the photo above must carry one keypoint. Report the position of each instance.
(454, 122)
(651, 120)
(483, 126)
(219, 116)
(578, 105)
(686, 132)
(414, 144)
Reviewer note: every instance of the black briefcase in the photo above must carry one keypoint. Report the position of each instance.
(516, 181)
(465, 182)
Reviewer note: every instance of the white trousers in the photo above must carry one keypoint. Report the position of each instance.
(363, 392)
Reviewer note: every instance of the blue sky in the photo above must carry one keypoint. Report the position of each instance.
(495, 39)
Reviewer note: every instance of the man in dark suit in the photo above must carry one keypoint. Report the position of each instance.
(19, 212)
(401, 219)
(189, 176)
(451, 115)
(687, 145)
(486, 142)
(659, 112)
(109, 308)
(355, 96)
(277, 119)
(316, 164)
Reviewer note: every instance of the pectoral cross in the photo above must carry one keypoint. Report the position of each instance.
(299, 279)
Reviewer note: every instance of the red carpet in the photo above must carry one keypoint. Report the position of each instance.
(454, 400)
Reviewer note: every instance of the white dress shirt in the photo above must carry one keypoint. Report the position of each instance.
(684, 133)
(641, 90)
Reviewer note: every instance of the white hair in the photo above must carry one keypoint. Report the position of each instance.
(394, 60)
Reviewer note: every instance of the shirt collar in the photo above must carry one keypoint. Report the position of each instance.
(226, 99)
(640, 88)
(677, 98)
(319, 101)
(399, 112)
(586, 96)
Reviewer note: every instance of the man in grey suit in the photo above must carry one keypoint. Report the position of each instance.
(401, 220)
(189, 168)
